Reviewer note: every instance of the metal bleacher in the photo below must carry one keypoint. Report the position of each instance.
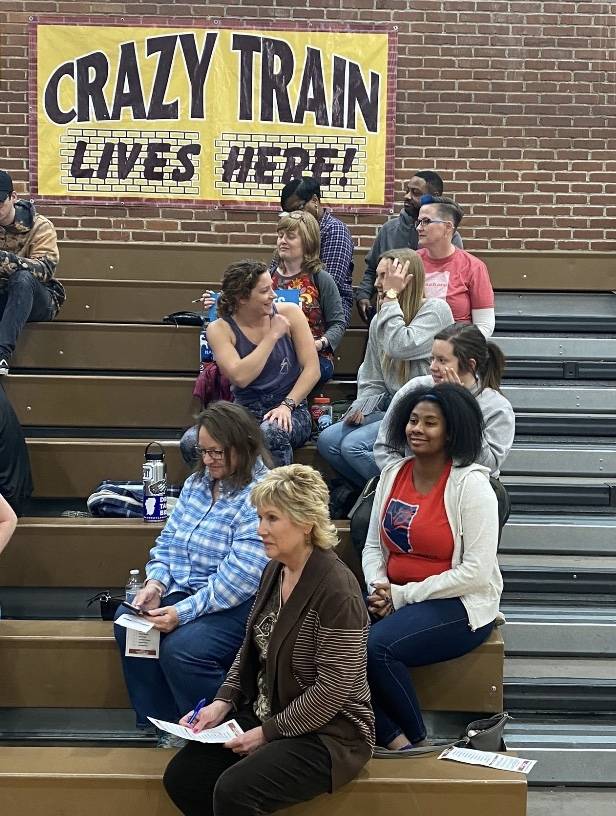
(91, 387)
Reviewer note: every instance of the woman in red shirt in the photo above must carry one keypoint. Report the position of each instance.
(453, 274)
(430, 556)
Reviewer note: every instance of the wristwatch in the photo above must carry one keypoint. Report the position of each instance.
(391, 294)
(290, 403)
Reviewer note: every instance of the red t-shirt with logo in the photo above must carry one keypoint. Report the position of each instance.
(461, 279)
(415, 529)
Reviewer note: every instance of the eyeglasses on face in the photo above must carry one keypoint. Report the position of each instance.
(425, 222)
(214, 453)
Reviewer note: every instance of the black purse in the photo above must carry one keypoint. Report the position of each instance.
(108, 604)
(481, 735)
(185, 318)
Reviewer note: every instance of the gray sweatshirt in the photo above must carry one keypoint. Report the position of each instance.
(390, 334)
(497, 438)
(397, 233)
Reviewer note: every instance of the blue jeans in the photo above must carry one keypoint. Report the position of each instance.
(281, 444)
(25, 299)
(349, 448)
(193, 663)
(415, 635)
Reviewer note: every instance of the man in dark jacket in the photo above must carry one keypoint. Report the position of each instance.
(28, 258)
(397, 233)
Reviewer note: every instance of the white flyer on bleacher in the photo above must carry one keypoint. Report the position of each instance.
(489, 759)
(134, 622)
(222, 733)
(142, 644)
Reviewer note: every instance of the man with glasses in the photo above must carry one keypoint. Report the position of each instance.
(28, 258)
(397, 233)
(336, 241)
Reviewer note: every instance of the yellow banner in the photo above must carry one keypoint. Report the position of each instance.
(212, 115)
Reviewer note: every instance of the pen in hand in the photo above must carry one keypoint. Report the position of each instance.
(201, 704)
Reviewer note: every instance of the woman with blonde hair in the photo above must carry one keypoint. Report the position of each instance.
(399, 343)
(298, 685)
(297, 265)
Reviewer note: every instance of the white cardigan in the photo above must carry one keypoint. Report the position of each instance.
(474, 577)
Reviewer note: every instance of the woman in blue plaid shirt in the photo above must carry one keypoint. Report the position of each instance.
(203, 572)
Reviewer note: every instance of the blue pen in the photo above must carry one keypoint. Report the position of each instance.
(198, 708)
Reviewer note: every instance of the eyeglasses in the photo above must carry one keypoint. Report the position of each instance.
(425, 222)
(214, 453)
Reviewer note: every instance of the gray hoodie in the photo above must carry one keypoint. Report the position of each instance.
(497, 437)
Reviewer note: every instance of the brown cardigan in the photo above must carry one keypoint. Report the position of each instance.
(316, 664)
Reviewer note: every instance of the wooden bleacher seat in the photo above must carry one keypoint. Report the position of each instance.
(44, 781)
(509, 269)
(136, 347)
(80, 668)
(77, 552)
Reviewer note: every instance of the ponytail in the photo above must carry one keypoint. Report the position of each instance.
(492, 375)
(469, 344)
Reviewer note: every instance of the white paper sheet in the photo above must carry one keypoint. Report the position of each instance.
(129, 621)
(222, 733)
(489, 759)
(142, 644)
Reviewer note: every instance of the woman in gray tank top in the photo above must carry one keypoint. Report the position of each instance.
(268, 354)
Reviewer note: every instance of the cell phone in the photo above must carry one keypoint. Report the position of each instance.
(134, 609)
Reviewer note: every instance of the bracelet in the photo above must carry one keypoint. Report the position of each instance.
(289, 403)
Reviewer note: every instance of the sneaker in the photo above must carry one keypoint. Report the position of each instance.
(4, 368)
(167, 740)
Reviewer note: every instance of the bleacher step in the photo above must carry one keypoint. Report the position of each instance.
(54, 781)
(543, 631)
(564, 533)
(79, 665)
(571, 751)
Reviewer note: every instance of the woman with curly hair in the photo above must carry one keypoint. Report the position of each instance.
(267, 352)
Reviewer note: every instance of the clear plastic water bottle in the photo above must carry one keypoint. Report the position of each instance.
(133, 585)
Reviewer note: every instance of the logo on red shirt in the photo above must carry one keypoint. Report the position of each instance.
(397, 522)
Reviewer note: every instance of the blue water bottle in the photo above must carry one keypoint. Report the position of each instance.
(205, 352)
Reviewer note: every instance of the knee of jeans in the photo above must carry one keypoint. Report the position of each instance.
(21, 278)
(187, 445)
(353, 445)
(377, 646)
(273, 434)
(328, 442)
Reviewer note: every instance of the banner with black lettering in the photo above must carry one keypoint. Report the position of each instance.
(212, 113)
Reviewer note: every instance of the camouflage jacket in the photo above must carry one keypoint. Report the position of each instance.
(30, 242)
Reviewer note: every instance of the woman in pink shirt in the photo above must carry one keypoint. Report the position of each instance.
(452, 273)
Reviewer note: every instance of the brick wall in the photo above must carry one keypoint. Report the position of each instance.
(512, 102)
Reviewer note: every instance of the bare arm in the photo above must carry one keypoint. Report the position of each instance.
(243, 370)
(8, 522)
(305, 350)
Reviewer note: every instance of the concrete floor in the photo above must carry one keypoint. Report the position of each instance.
(572, 801)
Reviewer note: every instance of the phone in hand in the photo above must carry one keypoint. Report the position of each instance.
(136, 610)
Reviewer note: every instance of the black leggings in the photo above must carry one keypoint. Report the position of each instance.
(209, 780)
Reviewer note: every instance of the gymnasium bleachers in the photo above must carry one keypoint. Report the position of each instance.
(94, 386)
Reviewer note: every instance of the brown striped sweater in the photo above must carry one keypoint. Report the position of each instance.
(316, 664)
